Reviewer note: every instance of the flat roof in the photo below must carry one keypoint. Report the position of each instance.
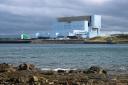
(74, 18)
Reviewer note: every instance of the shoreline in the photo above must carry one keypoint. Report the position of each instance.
(29, 74)
(49, 41)
(113, 39)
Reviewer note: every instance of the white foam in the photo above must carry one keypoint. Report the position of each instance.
(56, 69)
(46, 69)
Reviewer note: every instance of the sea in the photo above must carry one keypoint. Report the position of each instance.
(113, 57)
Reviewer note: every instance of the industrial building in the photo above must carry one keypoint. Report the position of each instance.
(83, 26)
(43, 35)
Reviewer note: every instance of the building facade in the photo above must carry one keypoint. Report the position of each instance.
(84, 26)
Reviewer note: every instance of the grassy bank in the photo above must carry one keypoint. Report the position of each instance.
(121, 39)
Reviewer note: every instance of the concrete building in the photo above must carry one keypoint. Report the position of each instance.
(84, 26)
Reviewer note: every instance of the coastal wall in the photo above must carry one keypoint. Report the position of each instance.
(15, 41)
(96, 40)
(39, 41)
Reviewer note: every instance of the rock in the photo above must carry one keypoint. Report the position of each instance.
(22, 79)
(23, 76)
(6, 68)
(14, 80)
(26, 67)
(51, 83)
(96, 70)
(96, 82)
(33, 79)
(61, 71)
(47, 72)
(71, 71)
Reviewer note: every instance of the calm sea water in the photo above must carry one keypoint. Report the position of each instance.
(113, 57)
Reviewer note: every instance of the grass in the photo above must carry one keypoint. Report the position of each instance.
(113, 38)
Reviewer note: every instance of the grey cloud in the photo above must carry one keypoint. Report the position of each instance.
(16, 24)
(38, 15)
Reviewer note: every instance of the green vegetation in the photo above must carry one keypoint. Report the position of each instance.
(119, 38)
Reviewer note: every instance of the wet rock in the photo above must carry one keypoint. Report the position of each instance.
(61, 71)
(71, 71)
(96, 70)
(26, 67)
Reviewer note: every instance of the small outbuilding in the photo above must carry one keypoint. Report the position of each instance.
(25, 36)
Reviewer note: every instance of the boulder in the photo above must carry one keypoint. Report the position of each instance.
(26, 67)
(96, 70)
(61, 71)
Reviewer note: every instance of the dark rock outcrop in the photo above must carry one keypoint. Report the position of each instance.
(26, 67)
(96, 70)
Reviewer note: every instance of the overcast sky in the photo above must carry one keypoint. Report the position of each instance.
(33, 16)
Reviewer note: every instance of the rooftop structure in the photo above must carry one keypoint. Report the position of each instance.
(74, 18)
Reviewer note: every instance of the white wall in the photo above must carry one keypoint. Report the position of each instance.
(96, 21)
(94, 30)
(77, 25)
(86, 26)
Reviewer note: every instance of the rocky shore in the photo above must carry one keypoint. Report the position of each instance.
(28, 74)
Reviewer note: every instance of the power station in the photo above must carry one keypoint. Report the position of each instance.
(84, 26)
